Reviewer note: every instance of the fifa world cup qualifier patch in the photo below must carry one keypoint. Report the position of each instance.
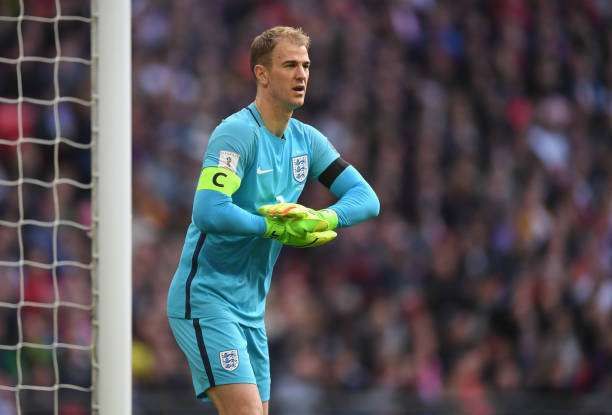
(229, 359)
(300, 167)
(229, 160)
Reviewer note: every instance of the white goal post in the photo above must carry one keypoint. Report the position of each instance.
(112, 193)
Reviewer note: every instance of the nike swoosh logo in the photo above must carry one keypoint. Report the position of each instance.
(260, 171)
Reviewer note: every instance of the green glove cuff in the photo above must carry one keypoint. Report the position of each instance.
(331, 217)
(274, 228)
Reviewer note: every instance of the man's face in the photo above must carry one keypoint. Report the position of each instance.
(288, 74)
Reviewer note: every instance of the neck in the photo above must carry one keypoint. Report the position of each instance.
(275, 116)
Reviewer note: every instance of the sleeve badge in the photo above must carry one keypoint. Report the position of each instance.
(229, 160)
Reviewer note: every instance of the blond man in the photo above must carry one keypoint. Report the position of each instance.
(256, 165)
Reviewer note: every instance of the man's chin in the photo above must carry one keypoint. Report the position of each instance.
(295, 103)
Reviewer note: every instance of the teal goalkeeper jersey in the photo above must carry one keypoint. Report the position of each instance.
(228, 276)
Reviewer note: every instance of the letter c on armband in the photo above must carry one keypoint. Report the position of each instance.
(216, 176)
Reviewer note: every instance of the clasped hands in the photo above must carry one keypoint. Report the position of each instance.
(299, 226)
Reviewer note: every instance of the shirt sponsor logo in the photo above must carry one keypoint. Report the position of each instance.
(229, 359)
(300, 167)
(229, 160)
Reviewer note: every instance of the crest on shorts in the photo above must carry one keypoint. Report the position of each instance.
(300, 167)
(229, 359)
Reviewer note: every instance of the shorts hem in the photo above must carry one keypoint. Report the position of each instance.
(203, 397)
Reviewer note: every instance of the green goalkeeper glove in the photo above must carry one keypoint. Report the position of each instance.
(301, 219)
(279, 230)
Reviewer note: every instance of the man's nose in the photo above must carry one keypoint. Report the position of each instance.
(300, 73)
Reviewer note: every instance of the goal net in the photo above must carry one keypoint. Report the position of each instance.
(51, 192)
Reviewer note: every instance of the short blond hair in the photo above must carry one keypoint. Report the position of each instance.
(264, 44)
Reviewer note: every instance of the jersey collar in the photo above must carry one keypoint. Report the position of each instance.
(252, 108)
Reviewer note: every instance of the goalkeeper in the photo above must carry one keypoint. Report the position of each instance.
(256, 165)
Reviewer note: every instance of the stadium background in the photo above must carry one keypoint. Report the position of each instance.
(484, 287)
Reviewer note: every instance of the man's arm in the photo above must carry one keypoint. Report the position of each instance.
(228, 155)
(356, 198)
(214, 210)
(357, 201)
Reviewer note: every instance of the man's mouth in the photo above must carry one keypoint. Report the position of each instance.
(299, 88)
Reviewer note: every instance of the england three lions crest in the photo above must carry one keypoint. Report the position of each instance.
(229, 359)
(300, 167)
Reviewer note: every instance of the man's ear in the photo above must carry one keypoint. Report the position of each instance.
(261, 74)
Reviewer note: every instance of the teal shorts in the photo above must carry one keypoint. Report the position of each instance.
(221, 352)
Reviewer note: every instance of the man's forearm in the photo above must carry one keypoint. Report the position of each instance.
(214, 212)
(357, 200)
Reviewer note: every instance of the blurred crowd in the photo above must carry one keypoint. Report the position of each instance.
(485, 128)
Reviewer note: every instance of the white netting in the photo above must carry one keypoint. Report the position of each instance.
(46, 290)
